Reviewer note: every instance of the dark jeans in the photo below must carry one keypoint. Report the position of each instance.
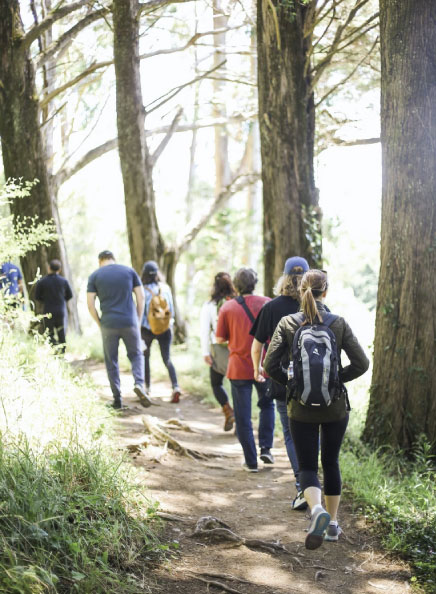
(111, 340)
(216, 381)
(289, 442)
(241, 393)
(165, 339)
(56, 326)
(306, 440)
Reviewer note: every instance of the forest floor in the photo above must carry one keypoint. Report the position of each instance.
(255, 506)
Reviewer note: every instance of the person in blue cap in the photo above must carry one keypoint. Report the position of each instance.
(157, 323)
(287, 302)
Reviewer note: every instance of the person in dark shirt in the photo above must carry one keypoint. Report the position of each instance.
(287, 302)
(54, 291)
(114, 285)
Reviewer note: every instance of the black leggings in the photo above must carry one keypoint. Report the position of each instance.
(164, 341)
(306, 441)
(216, 381)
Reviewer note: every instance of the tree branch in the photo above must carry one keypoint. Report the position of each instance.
(355, 142)
(56, 14)
(176, 90)
(234, 187)
(164, 142)
(347, 78)
(64, 174)
(155, 4)
(67, 37)
(50, 96)
(188, 44)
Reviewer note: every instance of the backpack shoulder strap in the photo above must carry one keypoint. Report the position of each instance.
(328, 319)
(299, 317)
(242, 302)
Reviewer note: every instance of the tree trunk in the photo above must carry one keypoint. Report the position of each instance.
(22, 146)
(403, 403)
(49, 80)
(170, 261)
(145, 240)
(287, 126)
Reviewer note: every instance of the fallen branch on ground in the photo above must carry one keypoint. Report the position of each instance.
(216, 584)
(214, 528)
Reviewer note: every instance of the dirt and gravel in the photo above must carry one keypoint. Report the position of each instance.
(211, 482)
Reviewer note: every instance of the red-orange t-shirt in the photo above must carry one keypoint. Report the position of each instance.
(234, 326)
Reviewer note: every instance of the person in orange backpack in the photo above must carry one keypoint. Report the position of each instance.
(157, 323)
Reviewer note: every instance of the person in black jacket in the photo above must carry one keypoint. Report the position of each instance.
(287, 302)
(54, 291)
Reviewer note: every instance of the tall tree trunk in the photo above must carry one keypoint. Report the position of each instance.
(287, 126)
(403, 403)
(49, 80)
(222, 167)
(22, 146)
(145, 240)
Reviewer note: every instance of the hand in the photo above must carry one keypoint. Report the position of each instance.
(258, 377)
(208, 360)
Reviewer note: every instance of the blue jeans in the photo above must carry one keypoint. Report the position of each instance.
(111, 340)
(241, 393)
(289, 442)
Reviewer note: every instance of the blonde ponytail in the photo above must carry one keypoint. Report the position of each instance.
(313, 285)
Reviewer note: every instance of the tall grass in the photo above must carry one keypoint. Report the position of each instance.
(72, 518)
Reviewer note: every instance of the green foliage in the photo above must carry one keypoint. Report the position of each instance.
(398, 497)
(71, 518)
(20, 235)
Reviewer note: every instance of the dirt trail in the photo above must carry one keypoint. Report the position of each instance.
(253, 505)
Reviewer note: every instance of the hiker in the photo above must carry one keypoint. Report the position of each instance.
(317, 396)
(11, 284)
(287, 302)
(114, 284)
(53, 290)
(157, 323)
(217, 355)
(234, 324)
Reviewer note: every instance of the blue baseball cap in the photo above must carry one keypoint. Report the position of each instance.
(296, 262)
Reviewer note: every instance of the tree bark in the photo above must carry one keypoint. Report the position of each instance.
(22, 146)
(402, 402)
(287, 127)
(145, 240)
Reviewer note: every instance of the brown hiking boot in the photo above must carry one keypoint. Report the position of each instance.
(229, 417)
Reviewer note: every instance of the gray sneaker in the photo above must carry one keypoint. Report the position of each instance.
(318, 525)
(142, 395)
(333, 532)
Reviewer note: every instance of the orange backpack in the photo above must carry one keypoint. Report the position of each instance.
(159, 313)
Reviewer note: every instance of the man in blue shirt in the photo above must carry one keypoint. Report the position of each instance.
(54, 291)
(114, 284)
(11, 283)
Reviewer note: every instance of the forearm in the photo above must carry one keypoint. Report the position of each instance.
(256, 351)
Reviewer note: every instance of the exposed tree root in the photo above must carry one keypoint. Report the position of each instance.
(170, 517)
(215, 528)
(178, 425)
(216, 584)
(156, 428)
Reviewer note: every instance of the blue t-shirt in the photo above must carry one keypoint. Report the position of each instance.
(10, 274)
(114, 284)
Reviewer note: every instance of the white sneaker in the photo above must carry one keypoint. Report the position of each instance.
(299, 502)
(249, 468)
(142, 395)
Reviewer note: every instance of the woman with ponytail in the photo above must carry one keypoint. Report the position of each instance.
(308, 423)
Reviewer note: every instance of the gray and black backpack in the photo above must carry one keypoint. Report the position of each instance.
(316, 364)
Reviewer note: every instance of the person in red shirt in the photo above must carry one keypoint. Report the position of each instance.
(235, 320)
